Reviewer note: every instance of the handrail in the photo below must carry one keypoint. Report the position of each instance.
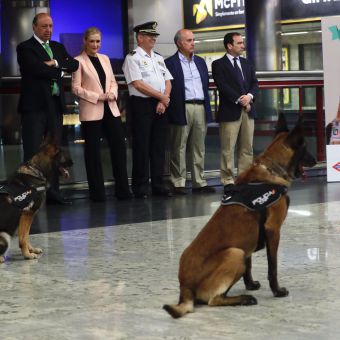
(267, 80)
(261, 75)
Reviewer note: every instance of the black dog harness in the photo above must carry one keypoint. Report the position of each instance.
(20, 194)
(255, 197)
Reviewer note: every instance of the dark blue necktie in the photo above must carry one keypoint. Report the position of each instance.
(239, 77)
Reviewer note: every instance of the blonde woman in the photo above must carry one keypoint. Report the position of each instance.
(95, 85)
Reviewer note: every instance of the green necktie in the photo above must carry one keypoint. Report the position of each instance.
(55, 88)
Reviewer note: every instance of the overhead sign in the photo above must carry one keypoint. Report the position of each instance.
(200, 14)
(214, 14)
(303, 9)
(331, 70)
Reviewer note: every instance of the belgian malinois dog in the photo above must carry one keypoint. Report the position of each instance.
(23, 194)
(221, 253)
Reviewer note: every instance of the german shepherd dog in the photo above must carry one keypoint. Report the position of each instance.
(23, 194)
(221, 253)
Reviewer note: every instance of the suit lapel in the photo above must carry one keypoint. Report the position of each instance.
(40, 48)
(179, 72)
(200, 71)
(91, 68)
(106, 71)
(230, 67)
(179, 69)
(244, 69)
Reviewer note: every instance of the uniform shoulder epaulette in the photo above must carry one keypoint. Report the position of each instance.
(157, 53)
(132, 52)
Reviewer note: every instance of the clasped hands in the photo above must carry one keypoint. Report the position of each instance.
(163, 103)
(107, 97)
(245, 101)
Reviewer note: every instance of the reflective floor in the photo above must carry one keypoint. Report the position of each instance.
(107, 269)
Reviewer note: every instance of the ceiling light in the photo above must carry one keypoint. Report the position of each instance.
(294, 33)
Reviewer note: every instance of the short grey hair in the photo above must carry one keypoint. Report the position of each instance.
(177, 37)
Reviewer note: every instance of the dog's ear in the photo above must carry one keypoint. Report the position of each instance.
(281, 125)
(296, 137)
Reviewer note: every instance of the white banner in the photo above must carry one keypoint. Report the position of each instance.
(331, 67)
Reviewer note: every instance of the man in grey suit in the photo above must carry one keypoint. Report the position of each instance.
(237, 85)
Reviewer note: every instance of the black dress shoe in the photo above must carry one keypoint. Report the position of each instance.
(203, 190)
(180, 191)
(141, 195)
(56, 198)
(161, 192)
(98, 199)
(124, 197)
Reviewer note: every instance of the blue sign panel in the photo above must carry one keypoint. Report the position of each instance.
(72, 18)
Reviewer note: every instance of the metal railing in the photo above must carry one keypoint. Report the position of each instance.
(268, 80)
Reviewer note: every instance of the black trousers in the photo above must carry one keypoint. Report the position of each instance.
(112, 129)
(149, 131)
(36, 125)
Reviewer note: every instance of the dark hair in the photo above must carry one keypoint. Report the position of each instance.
(229, 38)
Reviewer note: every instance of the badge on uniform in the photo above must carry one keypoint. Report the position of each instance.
(145, 63)
(160, 63)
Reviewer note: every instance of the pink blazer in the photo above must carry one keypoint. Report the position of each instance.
(86, 85)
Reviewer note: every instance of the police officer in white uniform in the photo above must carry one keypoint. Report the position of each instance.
(149, 86)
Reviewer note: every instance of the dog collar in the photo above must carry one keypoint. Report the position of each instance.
(276, 169)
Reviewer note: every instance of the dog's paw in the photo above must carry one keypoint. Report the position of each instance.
(254, 285)
(281, 292)
(248, 300)
(35, 250)
(30, 256)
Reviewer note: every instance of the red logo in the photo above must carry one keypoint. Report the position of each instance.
(336, 166)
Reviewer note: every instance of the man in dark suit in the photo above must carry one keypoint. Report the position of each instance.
(237, 85)
(188, 114)
(42, 65)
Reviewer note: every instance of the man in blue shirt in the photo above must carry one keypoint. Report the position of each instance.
(188, 114)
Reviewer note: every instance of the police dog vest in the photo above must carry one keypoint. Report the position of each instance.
(253, 196)
(21, 195)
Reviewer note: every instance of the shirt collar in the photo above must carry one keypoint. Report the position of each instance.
(143, 53)
(231, 58)
(182, 57)
(40, 41)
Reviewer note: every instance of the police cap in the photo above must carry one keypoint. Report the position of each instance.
(147, 28)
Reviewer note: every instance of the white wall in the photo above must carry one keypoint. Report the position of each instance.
(168, 14)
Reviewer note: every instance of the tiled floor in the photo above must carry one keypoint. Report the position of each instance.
(107, 269)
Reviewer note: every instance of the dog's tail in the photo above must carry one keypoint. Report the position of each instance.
(5, 241)
(185, 305)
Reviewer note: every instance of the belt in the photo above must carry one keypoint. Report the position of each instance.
(195, 101)
(144, 98)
